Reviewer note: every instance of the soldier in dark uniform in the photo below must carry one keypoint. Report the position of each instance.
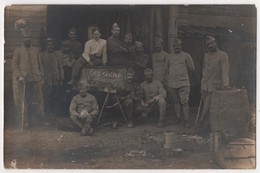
(75, 48)
(140, 62)
(115, 49)
(131, 98)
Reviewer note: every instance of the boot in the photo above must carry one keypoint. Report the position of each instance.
(185, 108)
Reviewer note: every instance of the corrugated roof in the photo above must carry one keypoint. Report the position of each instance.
(220, 32)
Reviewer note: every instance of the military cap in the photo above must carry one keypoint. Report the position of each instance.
(209, 38)
(49, 39)
(138, 43)
(148, 71)
(73, 31)
(129, 35)
(115, 25)
(158, 40)
(130, 71)
(177, 41)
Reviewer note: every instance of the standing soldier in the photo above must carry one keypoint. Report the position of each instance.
(140, 62)
(129, 44)
(75, 48)
(115, 50)
(160, 60)
(215, 76)
(179, 68)
(27, 81)
(53, 78)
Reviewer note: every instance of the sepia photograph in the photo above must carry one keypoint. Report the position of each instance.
(118, 86)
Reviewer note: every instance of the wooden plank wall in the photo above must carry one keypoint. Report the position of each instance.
(36, 15)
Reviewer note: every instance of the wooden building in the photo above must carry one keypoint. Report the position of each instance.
(233, 25)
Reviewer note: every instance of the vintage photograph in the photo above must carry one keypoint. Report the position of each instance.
(129, 86)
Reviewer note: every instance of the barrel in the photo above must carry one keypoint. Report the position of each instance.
(229, 112)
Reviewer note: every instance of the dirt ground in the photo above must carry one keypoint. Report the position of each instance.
(140, 147)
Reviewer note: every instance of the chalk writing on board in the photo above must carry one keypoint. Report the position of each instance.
(105, 79)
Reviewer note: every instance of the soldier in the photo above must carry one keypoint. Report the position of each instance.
(74, 47)
(129, 44)
(214, 76)
(178, 83)
(154, 96)
(131, 97)
(160, 61)
(140, 62)
(115, 50)
(53, 78)
(83, 110)
(27, 81)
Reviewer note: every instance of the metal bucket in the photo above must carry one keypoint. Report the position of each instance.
(168, 140)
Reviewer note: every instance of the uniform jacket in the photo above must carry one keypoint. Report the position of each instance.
(150, 90)
(131, 91)
(160, 62)
(53, 68)
(88, 103)
(74, 48)
(26, 63)
(215, 71)
(180, 65)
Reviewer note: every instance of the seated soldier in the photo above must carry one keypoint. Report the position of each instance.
(154, 96)
(83, 110)
(131, 97)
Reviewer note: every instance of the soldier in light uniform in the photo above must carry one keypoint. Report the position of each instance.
(153, 96)
(160, 61)
(83, 110)
(178, 84)
(215, 72)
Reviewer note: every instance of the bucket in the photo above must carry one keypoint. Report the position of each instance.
(168, 140)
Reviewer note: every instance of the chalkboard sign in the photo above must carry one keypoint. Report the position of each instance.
(105, 79)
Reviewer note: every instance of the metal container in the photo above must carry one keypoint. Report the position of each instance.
(168, 140)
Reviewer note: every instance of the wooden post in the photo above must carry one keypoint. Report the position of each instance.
(173, 25)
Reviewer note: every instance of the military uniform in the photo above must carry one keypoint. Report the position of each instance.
(160, 61)
(151, 90)
(53, 78)
(131, 98)
(140, 64)
(215, 76)
(80, 104)
(74, 48)
(115, 52)
(178, 83)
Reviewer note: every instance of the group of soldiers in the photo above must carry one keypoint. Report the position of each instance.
(43, 81)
